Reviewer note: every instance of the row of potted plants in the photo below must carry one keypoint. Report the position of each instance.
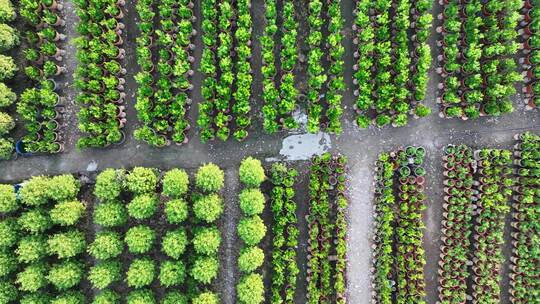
(163, 98)
(477, 68)
(327, 230)
(284, 265)
(39, 106)
(100, 75)
(393, 58)
(531, 55)
(524, 260)
(494, 191)
(279, 93)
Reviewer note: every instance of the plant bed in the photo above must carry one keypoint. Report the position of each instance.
(530, 48)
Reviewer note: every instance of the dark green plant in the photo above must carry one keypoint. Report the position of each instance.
(172, 273)
(8, 263)
(142, 180)
(251, 230)
(174, 243)
(143, 206)
(8, 199)
(140, 239)
(67, 213)
(109, 184)
(175, 183)
(107, 297)
(106, 245)
(65, 274)
(176, 211)
(36, 298)
(205, 269)
(250, 259)
(250, 289)
(207, 240)
(112, 214)
(141, 273)
(251, 172)
(105, 273)
(8, 292)
(209, 178)
(252, 201)
(67, 244)
(208, 208)
(31, 248)
(32, 278)
(141, 296)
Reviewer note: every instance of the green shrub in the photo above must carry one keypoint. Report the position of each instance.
(174, 243)
(105, 273)
(250, 259)
(67, 213)
(140, 239)
(142, 180)
(210, 178)
(35, 191)
(109, 184)
(8, 199)
(251, 172)
(172, 273)
(35, 220)
(8, 263)
(6, 123)
(207, 240)
(250, 289)
(31, 248)
(9, 232)
(8, 292)
(206, 298)
(143, 206)
(7, 12)
(65, 274)
(8, 37)
(6, 148)
(175, 183)
(67, 244)
(251, 230)
(174, 297)
(63, 187)
(140, 273)
(111, 214)
(32, 278)
(208, 208)
(141, 296)
(107, 297)
(205, 269)
(106, 245)
(176, 211)
(7, 96)
(69, 297)
(36, 297)
(252, 201)
(7, 67)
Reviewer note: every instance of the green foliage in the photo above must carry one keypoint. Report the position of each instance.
(35, 220)
(251, 172)
(6, 148)
(141, 273)
(176, 211)
(69, 297)
(63, 187)
(36, 298)
(141, 296)
(206, 298)
(6, 123)
(67, 213)
(35, 191)
(140, 239)
(7, 11)
(251, 230)
(175, 183)
(8, 292)
(112, 214)
(106, 245)
(251, 201)
(104, 273)
(8, 37)
(8, 263)
(65, 274)
(205, 269)
(172, 273)
(9, 232)
(8, 199)
(207, 240)
(7, 67)
(174, 243)
(32, 278)
(250, 289)
(142, 180)
(143, 206)
(250, 259)
(67, 244)
(31, 248)
(208, 208)
(107, 297)
(209, 178)
(109, 184)
(175, 297)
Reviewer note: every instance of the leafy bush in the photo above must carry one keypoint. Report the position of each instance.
(251, 172)
(176, 211)
(32, 278)
(208, 208)
(175, 183)
(7, 67)
(7, 96)
(250, 289)
(63, 187)
(39, 297)
(67, 213)
(109, 184)
(140, 239)
(142, 180)
(205, 269)
(143, 206)
(175, 297)
(106, 245)
(7, 12)
(8, 199)
(250, 259)
(252, 201)
(207, 240)
(104, 273)
(107, 297)
(8, 37)
(140, 273)
(111, 214)
(69, 297)
(206, 298)
(67, 244)
(6, 148)
(35, 221)
(9, 232)
(8, 292)
(210, 178)
(174, 243)
(251, 230)
(35, 191)
(31, 248)
(141, 296)
(172, 273)
(6, 123)
(8, 263)
(65, 274)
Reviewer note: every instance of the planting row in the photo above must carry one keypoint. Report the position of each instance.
(327, 228)
(9, 39)
(163, 99)
(477, 66)
(392, 60)
(530, 27)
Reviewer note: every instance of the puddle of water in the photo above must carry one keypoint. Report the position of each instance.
(304, 146)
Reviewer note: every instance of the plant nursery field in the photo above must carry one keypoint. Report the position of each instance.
(269, 151)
